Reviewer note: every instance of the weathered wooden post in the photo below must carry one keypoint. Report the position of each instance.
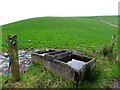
(113, 40)
(13, 53)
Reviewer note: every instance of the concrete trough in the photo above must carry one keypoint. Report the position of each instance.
(64, 63)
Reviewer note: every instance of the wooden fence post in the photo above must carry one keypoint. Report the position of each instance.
(13, 53)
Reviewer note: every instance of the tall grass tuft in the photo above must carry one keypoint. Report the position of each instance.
(92, 75)
(107, 51)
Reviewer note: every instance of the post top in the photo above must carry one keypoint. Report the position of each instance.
(11, 36)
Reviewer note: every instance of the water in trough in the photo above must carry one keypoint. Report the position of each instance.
(76, 64)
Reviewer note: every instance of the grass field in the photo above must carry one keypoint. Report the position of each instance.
(80, 33)
(110, 19)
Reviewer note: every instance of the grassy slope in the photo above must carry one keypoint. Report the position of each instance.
(79, 33)
(110, 19)
(57, 32)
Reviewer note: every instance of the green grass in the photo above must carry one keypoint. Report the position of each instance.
(81, 33)
(106, 72)
(39, 77)
(110, 19)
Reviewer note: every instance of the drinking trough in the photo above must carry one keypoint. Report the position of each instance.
(64, 63)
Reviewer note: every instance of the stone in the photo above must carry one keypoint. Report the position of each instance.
(63, 63)
(5, 54)
(2, 57)
(24, 61)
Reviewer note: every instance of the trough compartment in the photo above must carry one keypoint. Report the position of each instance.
(64, 63)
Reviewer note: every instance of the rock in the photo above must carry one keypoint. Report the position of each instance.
(29, 57)
(1, 73)
(21, 58)
(4, 63)
(3, 66)
(5, 54)
(36, 50)
(21, 61)
(22, 51)
(1, 61)
(26, 65)
(28, 62)
(5, 69)
(21, 55)
(116, 83)
(0, 69)
(2, 57)
(24, 61)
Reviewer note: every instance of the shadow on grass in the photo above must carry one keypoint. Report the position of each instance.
(92, 75)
